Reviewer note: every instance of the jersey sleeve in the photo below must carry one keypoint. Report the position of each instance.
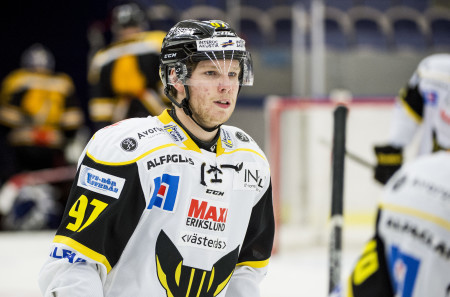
(256, 249)
(408, 114)
(370, 275)
(102, 212)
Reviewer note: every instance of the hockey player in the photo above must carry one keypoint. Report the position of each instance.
(174, 205)
(416, 107)
(39, 117)
(409, 254)
(123, 77)
(39, 112)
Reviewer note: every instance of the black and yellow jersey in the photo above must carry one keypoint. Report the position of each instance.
(39, 108)
(124, 79)
(419, 104)
(409, 254)
(152, 214)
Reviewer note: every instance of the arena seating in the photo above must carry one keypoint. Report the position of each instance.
(415, 25)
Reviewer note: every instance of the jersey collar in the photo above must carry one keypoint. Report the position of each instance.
(166, 119)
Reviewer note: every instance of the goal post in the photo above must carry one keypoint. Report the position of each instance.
(298, 142)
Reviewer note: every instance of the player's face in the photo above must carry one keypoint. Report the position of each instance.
(213, 91)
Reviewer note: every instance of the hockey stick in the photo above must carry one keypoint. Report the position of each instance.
(337, 197)
(352, 156)
(11, 188)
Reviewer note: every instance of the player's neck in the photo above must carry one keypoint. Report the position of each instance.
(193, 128)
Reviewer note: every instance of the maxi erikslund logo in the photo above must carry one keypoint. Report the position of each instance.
(100, 182)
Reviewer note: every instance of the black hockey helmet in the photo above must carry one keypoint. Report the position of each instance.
(37, 56)
(192, 41)
(127, 14)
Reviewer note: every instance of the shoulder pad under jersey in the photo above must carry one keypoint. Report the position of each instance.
(234, 138)
(127, 141)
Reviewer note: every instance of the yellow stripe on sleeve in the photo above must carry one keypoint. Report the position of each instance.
(83, 249)
(254, 264)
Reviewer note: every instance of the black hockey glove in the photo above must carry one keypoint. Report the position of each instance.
(389, 160)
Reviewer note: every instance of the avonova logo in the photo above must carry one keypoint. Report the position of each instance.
(100, 182)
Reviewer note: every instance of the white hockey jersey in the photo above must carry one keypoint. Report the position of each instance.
(410, 253)
(152, 214)
(418, 105)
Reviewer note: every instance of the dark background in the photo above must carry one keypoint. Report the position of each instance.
(60, 25)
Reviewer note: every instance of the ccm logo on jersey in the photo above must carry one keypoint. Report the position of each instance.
(100, 182)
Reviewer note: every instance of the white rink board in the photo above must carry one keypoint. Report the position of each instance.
(305, 172)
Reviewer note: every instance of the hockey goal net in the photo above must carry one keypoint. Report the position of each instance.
(298, 144)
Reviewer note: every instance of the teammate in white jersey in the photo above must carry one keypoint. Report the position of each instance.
(416, 107)
(409, 255)
(173, 205)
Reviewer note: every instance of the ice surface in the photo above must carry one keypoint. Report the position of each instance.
(295, 271)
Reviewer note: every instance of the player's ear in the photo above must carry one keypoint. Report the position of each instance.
(176, 83)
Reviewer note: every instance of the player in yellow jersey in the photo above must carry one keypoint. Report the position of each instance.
(124, 76)
(39, 118)
(39, 112)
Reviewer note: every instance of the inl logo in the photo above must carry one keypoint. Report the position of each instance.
(251, 177)
(165, 193)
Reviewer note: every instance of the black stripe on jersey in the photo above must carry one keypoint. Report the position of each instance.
(414, 99)
(258, 241)
(109, 233)
(17, 98)
(104, 87)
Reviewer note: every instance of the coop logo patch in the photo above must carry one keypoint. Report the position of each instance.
(100, 182)
(207, 215)
(129, 144)
(165, 192)
(175, 132)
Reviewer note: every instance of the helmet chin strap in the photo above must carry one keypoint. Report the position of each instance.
(187, 109)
